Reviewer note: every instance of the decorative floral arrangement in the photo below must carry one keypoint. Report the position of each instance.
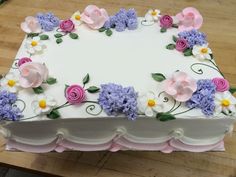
(211, 96)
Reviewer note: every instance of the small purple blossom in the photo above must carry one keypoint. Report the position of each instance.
(116, 99)
(203, 98)
(48, 21)
(193, 37)
(9, 111)
(122, 20)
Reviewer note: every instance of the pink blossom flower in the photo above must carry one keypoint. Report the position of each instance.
(23, 61)
(181, 44)
(31, 25)
(166, 21)
(180, 86)
(94, 17)
(67, 25)
(189, 19)
(32, 74)
(75, 94)
(221, 84)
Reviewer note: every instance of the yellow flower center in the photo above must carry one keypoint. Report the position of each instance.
(34, 43)
(151, 103)
(204, 50)
(225, 102)
(77, 17)
(11, 83)
(42, 104)
(154, 13)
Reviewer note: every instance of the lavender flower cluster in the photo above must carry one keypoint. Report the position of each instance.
(115, 99)
(48, 21)
(9, 111)
(193, 37)
(203, 98)
(123, 19)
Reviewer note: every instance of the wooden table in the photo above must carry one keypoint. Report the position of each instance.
(219, 24)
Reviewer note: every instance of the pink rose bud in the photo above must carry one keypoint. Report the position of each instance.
(94, 17)
(67, 25)
(75, 94)
(32, 74)
(166, 21)
(221, 84)
(181, 44)
(23, 61)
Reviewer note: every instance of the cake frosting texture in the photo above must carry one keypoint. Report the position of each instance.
(115, 83)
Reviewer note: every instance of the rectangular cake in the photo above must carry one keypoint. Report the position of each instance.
(97, 82)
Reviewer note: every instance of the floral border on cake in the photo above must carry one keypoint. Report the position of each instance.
(211, 96)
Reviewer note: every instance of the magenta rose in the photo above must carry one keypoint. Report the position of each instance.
(23, 61)
(75, 94)
(221, 84)
(181, 44)
(166, 21)
(67, 25)
(32, 74)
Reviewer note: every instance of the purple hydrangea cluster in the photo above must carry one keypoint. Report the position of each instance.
(48, 21)
(9, 111)
(203, 98)
(122, 20)
(115, 99)
(193, 37)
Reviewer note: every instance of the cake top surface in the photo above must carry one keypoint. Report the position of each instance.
(95, 65)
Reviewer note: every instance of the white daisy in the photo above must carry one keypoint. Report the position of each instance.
(225, 102)
(149, 104)
(34, 45)
(153, 15)
(202, 52)
(43, 104)
(10, 83)
(76, 18)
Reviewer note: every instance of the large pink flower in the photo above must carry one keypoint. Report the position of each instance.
(180, 86)
(189, 19)
(94, 17)
(75, 94)
(32, 74)
(31, 25)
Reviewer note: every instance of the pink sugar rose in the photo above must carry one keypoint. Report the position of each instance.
(180, 86)
(67, 25)
(23, 61)
(31, 25)
(181, 44)
(94, 17)
(32, 74)
(166, 21)
(75, 94)
(189, 19)
(221, 84)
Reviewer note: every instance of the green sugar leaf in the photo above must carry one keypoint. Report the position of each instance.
(59, 40)
(51, 80)
(86, 79)
(58, 35)
(54, 114)
(38, 90)
(32, 35)
(158, 77)
(74, 36)
(188, 52)
(165, 117)
(102, 29)
(170, 46)
(108, 32)
(93, 89)
(44, 37)
(174, 38)
(163, 30)
(232, 90)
